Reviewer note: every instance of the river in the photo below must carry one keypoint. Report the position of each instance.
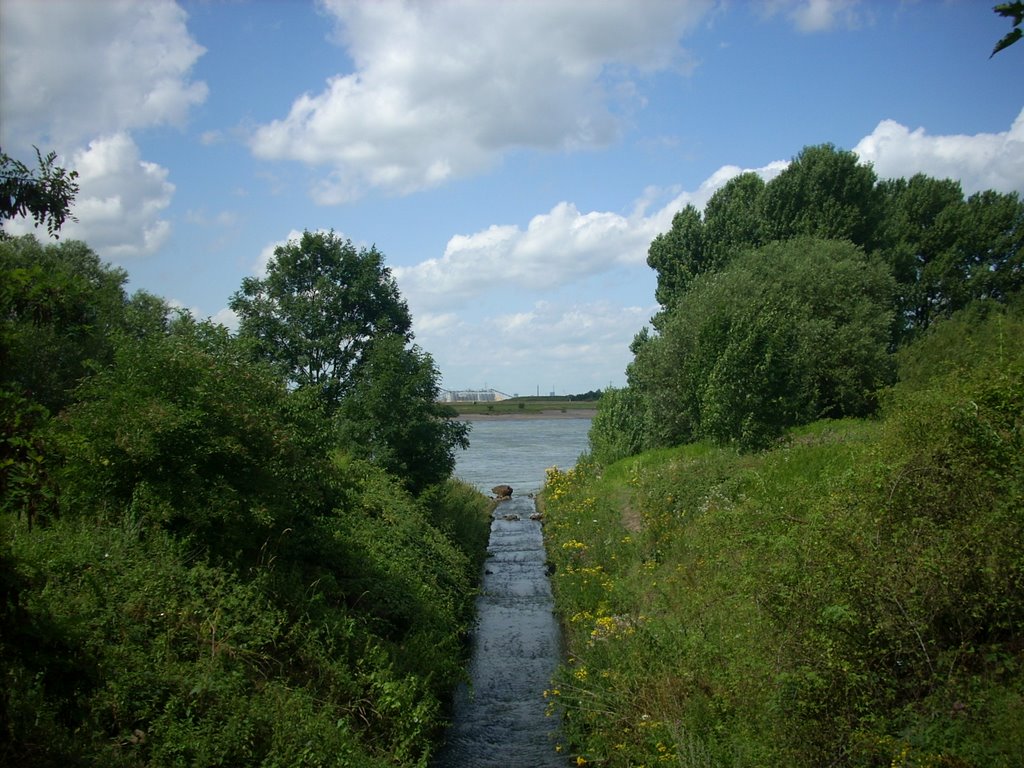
(516, 452)
(499, 719)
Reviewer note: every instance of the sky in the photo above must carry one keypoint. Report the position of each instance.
(511, 160)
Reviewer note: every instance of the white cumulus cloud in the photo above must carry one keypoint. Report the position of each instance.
(979, 162)
(73, 70)
(120, 202)
(561, 246)
(442, 89)
(79, 78)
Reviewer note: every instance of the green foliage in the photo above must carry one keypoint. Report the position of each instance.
(25, 464)
(784, 335)
(336, 643)
(678, 255)
(45, 193)
(852, 598)
(734, 219)
(946, 252)
(617, 431)
(391, 415)
(128, 652)
(318, 309)
(193, 570)
(743, 369)
(825, 193)
(59, 307)
(943, 250)
(1015, 12)
(184, 429)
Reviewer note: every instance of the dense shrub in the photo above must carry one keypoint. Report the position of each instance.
(617, 429)
(59, 307)
(784, 335)
(219, 582)
(123, 644)
(186, 432)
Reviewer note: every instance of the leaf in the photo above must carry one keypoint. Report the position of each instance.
(1007, 41)
(1015, 11)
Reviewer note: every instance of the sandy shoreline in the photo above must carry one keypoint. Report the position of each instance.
(569, 413)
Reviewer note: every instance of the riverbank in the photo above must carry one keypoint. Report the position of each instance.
(552, 413)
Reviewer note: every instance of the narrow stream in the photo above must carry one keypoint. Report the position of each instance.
(499, 718)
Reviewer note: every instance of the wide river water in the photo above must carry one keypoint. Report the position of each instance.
(498, 719)
(517, 452)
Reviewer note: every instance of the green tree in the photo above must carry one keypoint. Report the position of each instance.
(946, 252)
(733, 218)
(696, 243)
(920, 233)
(678, 255)
(391, 415)
(59, 305)
(786, 334)
(827, 193)
(320, 306)
(993, 246)
(186, 433)
(45, 193)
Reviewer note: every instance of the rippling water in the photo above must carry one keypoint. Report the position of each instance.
(517, 452)
(499, 719)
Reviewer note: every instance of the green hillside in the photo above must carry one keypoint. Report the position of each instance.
(853, 596)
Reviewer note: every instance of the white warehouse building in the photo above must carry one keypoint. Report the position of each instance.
(472, 396)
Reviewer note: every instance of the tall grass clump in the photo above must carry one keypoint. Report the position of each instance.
(854, 597)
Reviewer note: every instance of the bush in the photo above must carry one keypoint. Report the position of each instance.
(784, 335)
(617, 430)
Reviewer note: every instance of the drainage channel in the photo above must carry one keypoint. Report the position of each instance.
(499, 718)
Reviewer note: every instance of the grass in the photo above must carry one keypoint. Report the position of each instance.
(791, 607)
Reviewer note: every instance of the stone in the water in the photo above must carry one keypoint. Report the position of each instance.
(502, 491)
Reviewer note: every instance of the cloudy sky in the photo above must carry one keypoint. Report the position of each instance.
(512, 160)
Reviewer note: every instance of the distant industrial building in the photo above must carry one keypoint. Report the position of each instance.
(472, 396)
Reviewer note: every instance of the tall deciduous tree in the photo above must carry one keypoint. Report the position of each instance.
(920, 232)
(392, 416)
(320, 306)
(734, 218)
(678, 256)
(945, 251)
(825, 192)
(59, 304)
(732, 221)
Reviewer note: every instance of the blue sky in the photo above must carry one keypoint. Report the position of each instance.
(512, 160)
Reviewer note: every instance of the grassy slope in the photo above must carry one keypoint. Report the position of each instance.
(852, 598)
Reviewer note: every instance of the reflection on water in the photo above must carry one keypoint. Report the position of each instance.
(499, 719)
